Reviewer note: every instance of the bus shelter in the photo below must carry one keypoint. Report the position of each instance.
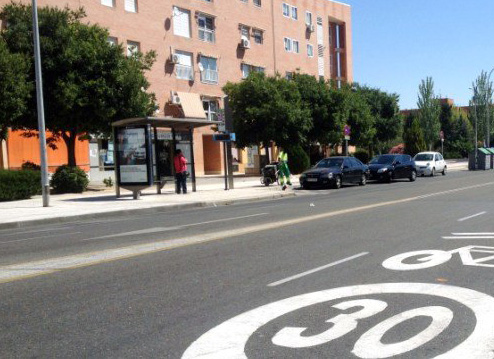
(145, 148)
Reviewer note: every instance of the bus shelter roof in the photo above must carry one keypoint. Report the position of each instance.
(166, 122)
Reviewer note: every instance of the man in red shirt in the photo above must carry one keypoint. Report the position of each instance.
(180, 171)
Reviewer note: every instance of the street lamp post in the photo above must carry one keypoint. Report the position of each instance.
(41, 114)
(488, 101)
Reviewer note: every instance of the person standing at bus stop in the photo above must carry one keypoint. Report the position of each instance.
(180, 163)
(283, 170)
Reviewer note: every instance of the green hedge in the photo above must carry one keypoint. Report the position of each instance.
(15, 185)
(298, 159)
(68, 179)
(362, 155)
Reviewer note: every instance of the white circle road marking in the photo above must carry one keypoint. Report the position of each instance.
(228, 339)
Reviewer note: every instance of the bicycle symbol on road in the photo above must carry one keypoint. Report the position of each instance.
(229, 339)
(478, 256)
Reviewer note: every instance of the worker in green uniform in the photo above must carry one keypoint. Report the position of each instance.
(283, 170)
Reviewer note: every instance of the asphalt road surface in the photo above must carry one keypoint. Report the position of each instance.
(400, 270)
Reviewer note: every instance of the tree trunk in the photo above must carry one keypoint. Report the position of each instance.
(70, 143)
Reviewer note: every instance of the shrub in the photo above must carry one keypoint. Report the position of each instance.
(68, 179)
(298, 159)
(30, 166)
(362, 155)
(15, 185)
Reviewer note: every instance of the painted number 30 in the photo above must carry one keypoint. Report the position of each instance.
(369, 345)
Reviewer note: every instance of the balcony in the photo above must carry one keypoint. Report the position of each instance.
(184, 72)
(209, 76)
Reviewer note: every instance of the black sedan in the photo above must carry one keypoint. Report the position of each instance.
(335, 171)
(389, 167)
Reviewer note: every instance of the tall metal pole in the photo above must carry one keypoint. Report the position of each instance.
(41, 112)
(489, 95)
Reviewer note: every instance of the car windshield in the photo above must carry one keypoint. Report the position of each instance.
(424, 157)
(330, 162)
(382, 160)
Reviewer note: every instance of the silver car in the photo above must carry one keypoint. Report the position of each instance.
(430, 163)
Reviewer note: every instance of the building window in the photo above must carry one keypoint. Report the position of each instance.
(294, 13)
(211, 109)
(209, 73)
(245, 31)
(181, 22)
(288, 44)
(286, 10)
(295, 46)
(308, 18)
(132, 48)
(112, 40)
(257, 3)
(257, 34)
(109, 3)
(247, 69)
(130, 5)
(289, 75)
(183, 68)
(206, 28)
(310, 50)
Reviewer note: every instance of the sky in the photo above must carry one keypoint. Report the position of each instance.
(398, 43)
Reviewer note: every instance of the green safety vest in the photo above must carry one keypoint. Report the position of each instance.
(284, 156)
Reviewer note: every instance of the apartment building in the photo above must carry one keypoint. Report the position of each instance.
(203, 44)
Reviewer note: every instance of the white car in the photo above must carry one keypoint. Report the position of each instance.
(430, 163)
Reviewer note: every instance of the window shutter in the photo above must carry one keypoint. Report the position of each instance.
(181, 22)
(131, 5)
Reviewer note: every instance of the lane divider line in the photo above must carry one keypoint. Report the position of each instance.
(15, 272)
(472, 216)
(318, 269)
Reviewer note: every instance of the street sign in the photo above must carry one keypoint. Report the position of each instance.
(226, 137)
(347, 130)
(347, 138)
(441, 135)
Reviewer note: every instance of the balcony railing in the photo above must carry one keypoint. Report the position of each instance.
(206, 35)
(184, 72)
(209, 76)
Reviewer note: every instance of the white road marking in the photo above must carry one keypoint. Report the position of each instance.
(32, 269)
(274, 284)
(62, 227)
(468, 237)
(228, 339)
(472, 216)
(474, 234)
(167, 229)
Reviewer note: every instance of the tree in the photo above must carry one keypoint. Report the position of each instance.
(413, 136)
(266, 109)
(386, 113)
(429, 110)
(87, 82)
(360, 118)
(14, 88)
(481, 101)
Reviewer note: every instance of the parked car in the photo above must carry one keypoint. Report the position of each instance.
(335, 171)
(392, 166)
(430, 163)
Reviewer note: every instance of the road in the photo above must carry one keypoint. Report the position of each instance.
(399, 270)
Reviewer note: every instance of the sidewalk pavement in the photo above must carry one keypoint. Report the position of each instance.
(92, 204)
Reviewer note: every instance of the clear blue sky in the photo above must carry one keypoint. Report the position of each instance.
(397, 43)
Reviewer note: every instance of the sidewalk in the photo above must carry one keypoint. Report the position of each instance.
(91, 204)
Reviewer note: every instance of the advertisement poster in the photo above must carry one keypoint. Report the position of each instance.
(132, 155)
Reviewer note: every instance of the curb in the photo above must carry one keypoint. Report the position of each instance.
(148, 210)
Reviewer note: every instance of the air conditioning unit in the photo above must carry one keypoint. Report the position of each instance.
(244, 43)
(310, 27)
(176, 100)
(174, 59)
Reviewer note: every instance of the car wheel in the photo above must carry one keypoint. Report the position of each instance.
(305, 186)
(337, 182)
(413, 176)
(433, 172)
(363, 180)
(444, 171)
